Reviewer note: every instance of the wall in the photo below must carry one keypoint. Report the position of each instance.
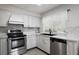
(10, 27)
(30, 31)
(13, 10)
(73, 23)
(27, 31)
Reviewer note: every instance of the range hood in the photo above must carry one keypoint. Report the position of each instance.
(16, 19)
(15, 22)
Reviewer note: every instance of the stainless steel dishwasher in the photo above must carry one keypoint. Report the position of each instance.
(58, 46)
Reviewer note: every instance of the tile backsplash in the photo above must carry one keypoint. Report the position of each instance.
(20, 27)
(29, 31)
(15, 26)
(10, 27)
(73, 30)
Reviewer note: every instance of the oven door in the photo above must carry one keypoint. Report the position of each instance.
(16, 44)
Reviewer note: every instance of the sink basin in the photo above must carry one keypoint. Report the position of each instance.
(48, 34)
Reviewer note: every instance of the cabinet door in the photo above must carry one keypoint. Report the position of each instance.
(31, 41)
(72, 48)
(37, 21)
(26, 21)
(4, 17)
(44, 43)
(3, 46)
(40, 42)
(31, 21)
(34, 21)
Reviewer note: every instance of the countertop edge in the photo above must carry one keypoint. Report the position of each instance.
(68, 39)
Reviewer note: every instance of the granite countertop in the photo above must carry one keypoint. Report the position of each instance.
(70, 37)
(3, 35)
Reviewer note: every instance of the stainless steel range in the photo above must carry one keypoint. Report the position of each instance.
(16, 42)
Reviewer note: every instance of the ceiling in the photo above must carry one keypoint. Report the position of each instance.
(35, 8)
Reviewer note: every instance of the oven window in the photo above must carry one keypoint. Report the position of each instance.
(16, 43)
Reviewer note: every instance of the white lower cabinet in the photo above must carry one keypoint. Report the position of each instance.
(44, 43)
(3, 46)
(40, 41)
(31, 41)
(72, 48)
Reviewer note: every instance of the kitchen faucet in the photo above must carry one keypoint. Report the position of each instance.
(50, 31)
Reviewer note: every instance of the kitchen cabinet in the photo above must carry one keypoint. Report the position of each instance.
(4, 17)
(26, 21)
(44, 43)
(31, 41)
(34, 21)
(72, 47)
(37, 21)
(3, 44)
(31, 21)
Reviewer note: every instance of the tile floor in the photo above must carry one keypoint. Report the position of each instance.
(35, 52)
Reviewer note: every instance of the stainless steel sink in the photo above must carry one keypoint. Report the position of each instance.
(48, 34)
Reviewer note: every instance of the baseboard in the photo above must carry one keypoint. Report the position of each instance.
(42, 50)
(39, 49)
(31, 48)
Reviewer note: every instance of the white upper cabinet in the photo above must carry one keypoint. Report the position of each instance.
(37, 22)
(26, 21)
(31, 21)
(16, 19)
(34, 21)
(4, 17)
